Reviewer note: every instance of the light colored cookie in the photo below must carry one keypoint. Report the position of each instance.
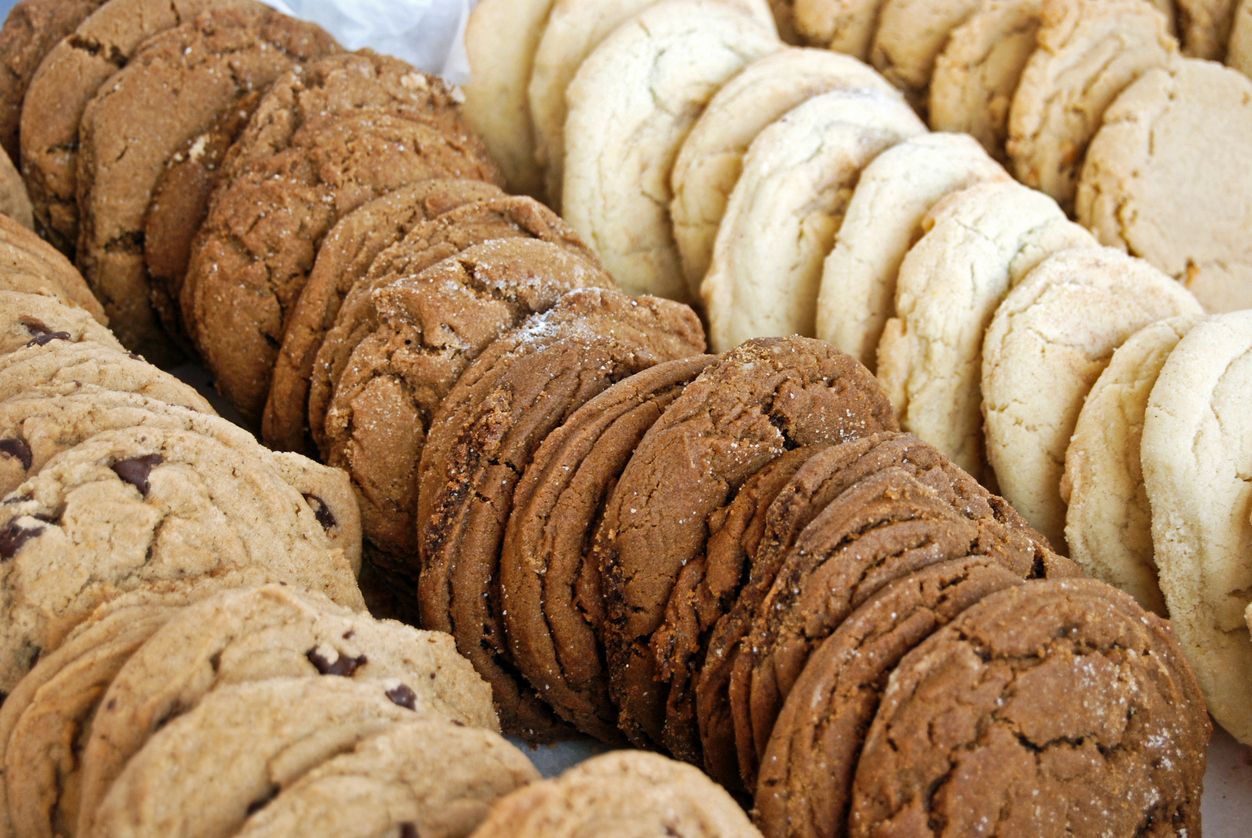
(977, 244)
(34, 320)
(1206, 26)
(241, 746)
(977, 73)
(14, 201)
(1196, 457)
(423, 777)
(495, 96)
(845, 26)
(1089, 51)
(1049, 341)
(1168, 178)
(910, 35)
(630, 106)
(785, 209)
(257, 634)
(574, 29)
(882, 221)
(1108, 522)
(625, 792)
(1239, 51)
(711, 158)
(31, 265)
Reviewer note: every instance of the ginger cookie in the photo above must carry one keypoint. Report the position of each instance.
(748, 408)
(169, 92)
(711, 157)
(546, 567)
(484, 435)
(785, 209)
(253, 255)
(67, 80)
(632, 102)
(429, 328)
(28, 320)
(1195, 456)
(892, 197)
(806, 774)
(344, 258)
(1047, 344)
(1018, 745)
(14, 199)
(909, 35)
(1089, 51)
(1108, 520)
(1172, 140)
(32, 266)
(977, 244)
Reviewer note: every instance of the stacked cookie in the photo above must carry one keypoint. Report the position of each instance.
(155, 717)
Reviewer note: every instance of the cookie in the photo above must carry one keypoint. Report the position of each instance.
(1206, 26)
(241, 747)
(343, 259)
(128, 508)
(1089, 51)
(40, 427)
(496, 103)
(32, 266)
(845, 26)
(976, 75)
(711, 157)
(1172, 139)
(1194, 458)
(14, 200)
(505, 216)
(630, 791)
(808, 767)
(909, 35)
(504, 405)
(750, 407)
(170, 91)
(1018, 744)
(258, 634)
(60, 368)
(253, 255)
(401, 779)
(546, 567)
(632, 102)
(1108, 521)
(977, 244)
(1239, 50)
(705, 589)
(29, 320)
(1047, 344)
(31, 30)
(892, 196)
(67, 80)
(573, 31)
(430, 327)
(786, 208)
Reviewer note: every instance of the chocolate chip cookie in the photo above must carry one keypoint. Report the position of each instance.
(32, 266)
(28, 320)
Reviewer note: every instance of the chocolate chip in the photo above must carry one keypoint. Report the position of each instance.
(402, 696)
(408, 830)
(342, 665)
(13, 536)
(324, 516)
(135, 470)
(41, 334)
(17, 449)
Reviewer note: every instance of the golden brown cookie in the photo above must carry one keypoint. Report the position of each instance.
(28, 320)
(32, 266)
(14, 200)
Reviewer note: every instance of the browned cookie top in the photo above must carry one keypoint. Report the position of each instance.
(31, 265)
(549, 583)
(498, 217)
(806, 773)
(28, 320)
(488, 429)
(429, 328)
(255, 250)
(172, 89)
(66, 81)
(343, 259)
(758, 401)
(1060, 706)
(31, 30)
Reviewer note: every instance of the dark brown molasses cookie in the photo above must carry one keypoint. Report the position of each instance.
(750, 407)
(1058, 706)
(485, 434)
(31, 265)
(343, 259)
(549, 585)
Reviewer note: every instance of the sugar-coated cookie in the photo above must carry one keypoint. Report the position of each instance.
(909, 35)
